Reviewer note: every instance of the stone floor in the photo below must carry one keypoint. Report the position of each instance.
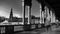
(42, 31)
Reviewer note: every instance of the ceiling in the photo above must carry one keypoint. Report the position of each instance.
(55, 4)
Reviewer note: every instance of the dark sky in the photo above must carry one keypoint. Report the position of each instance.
(6, 5)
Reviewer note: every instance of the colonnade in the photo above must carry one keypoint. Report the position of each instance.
(45, 16)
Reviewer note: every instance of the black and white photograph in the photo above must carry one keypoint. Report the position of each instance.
(29, 16)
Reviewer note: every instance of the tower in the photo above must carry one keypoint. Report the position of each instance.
(11, 15)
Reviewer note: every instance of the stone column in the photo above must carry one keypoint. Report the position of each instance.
(42, 16)
(40, 12)
(51, 15)
(23, 11)
(27, 26)
(48, 16)
(29, 15)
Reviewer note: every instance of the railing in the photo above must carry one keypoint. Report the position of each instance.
(14, 27)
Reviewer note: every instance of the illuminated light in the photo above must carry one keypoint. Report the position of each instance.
(57, 20)
(21, 23)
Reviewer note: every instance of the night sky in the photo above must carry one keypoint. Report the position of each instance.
(16, 5)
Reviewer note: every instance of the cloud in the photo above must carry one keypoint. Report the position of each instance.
(3, 13)
(17, 15)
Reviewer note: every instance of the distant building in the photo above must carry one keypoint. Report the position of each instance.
(35, 20)
(11, 16)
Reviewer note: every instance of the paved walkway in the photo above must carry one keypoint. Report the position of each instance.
(37, 31)
(53, 31)
(42, 31)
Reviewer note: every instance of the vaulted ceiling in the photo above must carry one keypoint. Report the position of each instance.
(55, 4)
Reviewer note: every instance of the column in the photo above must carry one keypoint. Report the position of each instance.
(42, 17)
(45, 12)
(48, 16)
(53, 18)
(29, 15)
(40, 12)
(23, 11)
(51, 15)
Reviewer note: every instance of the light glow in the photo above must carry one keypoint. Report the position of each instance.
(17, 15)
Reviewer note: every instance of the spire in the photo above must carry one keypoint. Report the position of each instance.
(11, 15)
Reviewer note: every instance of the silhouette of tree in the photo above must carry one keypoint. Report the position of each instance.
(2, 19)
